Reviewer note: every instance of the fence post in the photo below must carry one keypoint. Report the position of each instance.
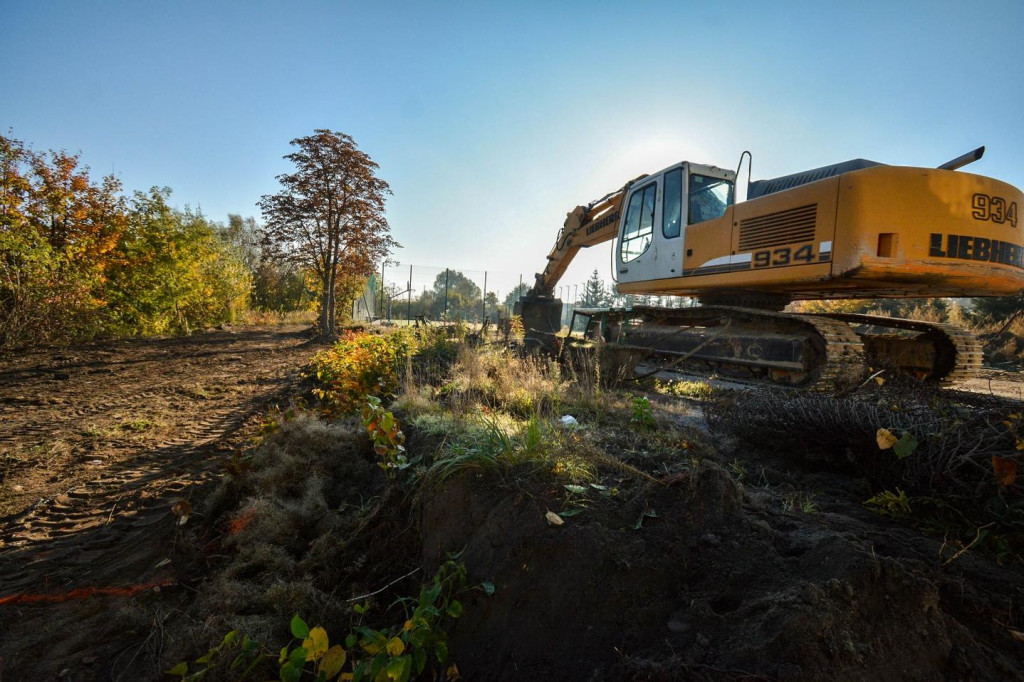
(446, 294)
(382, 302)
(483, 301)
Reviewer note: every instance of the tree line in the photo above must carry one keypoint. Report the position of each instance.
(81, 259)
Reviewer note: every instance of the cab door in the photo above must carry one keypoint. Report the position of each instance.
(670, 228)
(635, 255)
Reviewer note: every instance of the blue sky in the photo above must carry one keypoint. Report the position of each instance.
(492, 120)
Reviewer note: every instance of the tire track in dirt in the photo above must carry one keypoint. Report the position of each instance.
(98, 506)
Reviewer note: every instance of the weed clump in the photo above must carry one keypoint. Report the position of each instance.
(952, 457)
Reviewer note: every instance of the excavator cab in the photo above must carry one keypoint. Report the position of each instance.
(659, 208)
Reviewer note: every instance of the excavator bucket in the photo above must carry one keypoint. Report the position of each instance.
(542, 319)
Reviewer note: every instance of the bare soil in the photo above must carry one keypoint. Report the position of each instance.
(747, 564)
(699, 578)
(98, 443)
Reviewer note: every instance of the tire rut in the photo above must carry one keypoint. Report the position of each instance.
(104, 501)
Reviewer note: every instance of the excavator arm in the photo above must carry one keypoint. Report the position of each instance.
(589, 225)
(584, 226)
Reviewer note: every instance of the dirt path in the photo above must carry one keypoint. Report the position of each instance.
(97, 443)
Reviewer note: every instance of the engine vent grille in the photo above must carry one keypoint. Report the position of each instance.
(777, 229)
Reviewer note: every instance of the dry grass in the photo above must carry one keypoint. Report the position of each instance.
(1003, 346)
(283, 525)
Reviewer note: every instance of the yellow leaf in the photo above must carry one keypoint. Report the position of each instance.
(334, 661)
(554, 519)
(408, 626)
(885, 439)
(395, 646)
(1017, 635)
(1005, 471)
(316, 644)
(345, 677)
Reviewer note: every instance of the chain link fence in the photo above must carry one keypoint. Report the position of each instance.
(403, 291)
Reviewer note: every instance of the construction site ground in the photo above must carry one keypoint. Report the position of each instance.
(97, 445)
(990, 381)
(103, 448)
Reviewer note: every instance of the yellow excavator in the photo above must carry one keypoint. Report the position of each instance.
(857, 229)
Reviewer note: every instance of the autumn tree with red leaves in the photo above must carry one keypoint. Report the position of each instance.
(329, 217)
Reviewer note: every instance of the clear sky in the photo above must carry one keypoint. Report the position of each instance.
(492, 120)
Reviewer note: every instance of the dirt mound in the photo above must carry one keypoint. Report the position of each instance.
(704, 588)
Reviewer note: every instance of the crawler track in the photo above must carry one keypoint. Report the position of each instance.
(812, 351)
(746, 343)
(957, 353)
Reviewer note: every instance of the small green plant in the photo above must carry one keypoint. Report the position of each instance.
(803, 502)
(392, 654)
(388, 439)
(696, 390)
(499, 442)
(889, 503)
(314, 655)
(358, 365)
(642, 414)
(242, 665)
(404, 652)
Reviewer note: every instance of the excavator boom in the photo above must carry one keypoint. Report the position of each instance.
(589, 225)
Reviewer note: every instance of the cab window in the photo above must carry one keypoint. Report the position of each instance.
(670, 212)
(639, 225)
(709, 197)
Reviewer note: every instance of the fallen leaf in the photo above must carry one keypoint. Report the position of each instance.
(182, 510)
(906, 445)
(1005, 471)
(1017, 635)
(885, 439)
(554, 519)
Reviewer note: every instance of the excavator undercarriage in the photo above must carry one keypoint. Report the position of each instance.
(820, 350)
